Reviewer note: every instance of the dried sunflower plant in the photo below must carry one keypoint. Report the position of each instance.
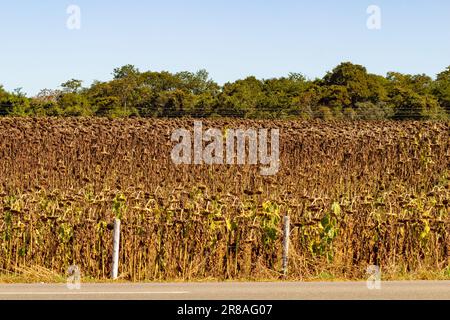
(357, 193)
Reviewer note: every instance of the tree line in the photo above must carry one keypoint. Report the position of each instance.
(346, 92)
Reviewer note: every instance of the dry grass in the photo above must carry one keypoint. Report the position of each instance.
(34, 274)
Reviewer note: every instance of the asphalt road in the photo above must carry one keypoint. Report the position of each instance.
(429, 290)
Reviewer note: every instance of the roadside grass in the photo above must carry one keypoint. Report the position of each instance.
(40, 275)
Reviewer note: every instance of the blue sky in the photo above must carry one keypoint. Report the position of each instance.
(230, 38)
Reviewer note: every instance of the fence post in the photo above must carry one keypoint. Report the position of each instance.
(286, 232)
(116, 246)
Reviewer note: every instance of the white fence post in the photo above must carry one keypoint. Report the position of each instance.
(116, 246)
(286, 232)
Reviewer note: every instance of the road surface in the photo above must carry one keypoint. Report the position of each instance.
(429, 290)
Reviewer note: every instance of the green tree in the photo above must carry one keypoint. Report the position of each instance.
(324, 113)
(14, 104)
(374, 111)
(125, 71)
(410, 105)
(356, 84)
(46, 103)
(336, 96)
(203, 105)
(74, 104)
(240, 99)
(173, 104)
(72, 86)
(441, 89)
(196, 83)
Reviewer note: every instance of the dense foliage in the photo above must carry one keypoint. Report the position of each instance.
(346, 92)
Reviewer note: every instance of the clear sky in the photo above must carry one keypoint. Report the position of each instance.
(230, 38)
